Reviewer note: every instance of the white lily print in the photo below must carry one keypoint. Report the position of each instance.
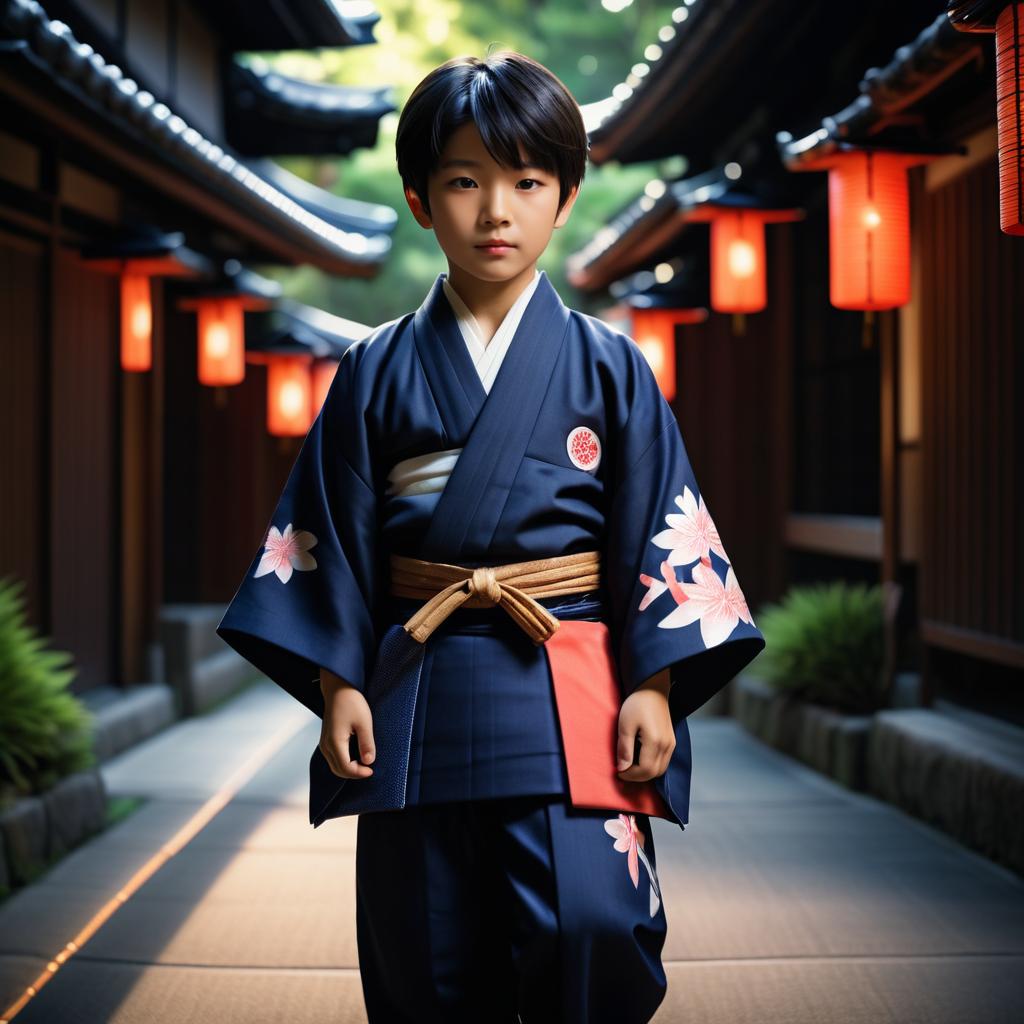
(630, 841)
(691, 535)
(285, 552)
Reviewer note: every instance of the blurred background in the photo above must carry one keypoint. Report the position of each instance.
(808, 216)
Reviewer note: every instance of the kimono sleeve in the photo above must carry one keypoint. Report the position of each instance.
(675, 600)
(307, 600)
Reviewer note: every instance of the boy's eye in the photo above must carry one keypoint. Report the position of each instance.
(464, 182)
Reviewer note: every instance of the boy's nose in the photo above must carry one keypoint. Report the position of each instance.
(494, 209)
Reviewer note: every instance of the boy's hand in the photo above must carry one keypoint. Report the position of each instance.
(645, 715)
(346, 713)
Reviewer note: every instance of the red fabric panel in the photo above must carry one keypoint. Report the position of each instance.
(589, 696)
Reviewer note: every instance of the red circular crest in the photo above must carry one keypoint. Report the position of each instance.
(584, 448)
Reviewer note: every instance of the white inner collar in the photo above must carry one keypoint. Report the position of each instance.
(487, 355)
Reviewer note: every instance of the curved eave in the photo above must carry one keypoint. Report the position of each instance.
(70, 86)
(635, 129)
(916, 70)
(288, 323)
(688, 289)
(644, 228)
(342, 211)
(630, 238)
(640, 230)
(338, 330)
(269, 114)
(263, 25)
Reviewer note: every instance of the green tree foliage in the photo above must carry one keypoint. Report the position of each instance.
(590, 48)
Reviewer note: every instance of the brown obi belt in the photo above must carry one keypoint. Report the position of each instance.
(514, 587)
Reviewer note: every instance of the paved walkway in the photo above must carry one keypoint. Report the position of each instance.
(789, 899)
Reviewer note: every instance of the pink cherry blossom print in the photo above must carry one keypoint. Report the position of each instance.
(584, 448)
(624, 830)
(716, 605)
(630, 841)
(691, 535)
(285, 552)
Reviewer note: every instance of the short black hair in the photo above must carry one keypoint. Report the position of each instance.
(514, 101)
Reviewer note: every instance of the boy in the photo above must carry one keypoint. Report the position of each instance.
(473, 577)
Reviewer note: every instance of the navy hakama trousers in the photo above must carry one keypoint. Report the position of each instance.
(509, 909)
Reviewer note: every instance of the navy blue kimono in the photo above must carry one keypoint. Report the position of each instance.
(482, 892)
(573, 449)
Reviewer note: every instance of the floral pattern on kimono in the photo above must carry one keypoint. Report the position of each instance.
(285, 552)
(630, 841)
(690, 538)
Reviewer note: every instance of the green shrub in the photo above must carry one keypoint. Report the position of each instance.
(45, 731)
(825, 644)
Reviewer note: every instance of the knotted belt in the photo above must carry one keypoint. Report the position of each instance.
(514, 587)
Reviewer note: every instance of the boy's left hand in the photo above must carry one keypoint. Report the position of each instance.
(644, 715)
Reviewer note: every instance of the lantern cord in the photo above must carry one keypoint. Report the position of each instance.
(867, 336)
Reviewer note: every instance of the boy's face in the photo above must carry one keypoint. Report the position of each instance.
(474, 199)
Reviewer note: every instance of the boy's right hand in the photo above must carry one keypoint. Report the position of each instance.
(346, 713)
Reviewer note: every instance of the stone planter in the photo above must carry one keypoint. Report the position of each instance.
(833, 743)
(36, 830)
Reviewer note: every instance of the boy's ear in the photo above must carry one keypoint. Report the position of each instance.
(563, 213)
(416, 205)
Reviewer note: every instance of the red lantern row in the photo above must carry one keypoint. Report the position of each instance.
(295, 388)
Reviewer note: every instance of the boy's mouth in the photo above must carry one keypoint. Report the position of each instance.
(495, 246)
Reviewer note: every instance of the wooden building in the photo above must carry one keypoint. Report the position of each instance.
(836, 443)
(136, 128)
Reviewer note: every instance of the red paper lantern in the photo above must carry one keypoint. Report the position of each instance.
(869, 229)
(654, 331)
(289, 395)
(136, 322)
(221, 340)
(323, 375)
(738, 271)
(1009, 115)
(738, 278)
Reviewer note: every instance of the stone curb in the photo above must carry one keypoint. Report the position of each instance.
(124, 717)
(36, 830)
(956, 776)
